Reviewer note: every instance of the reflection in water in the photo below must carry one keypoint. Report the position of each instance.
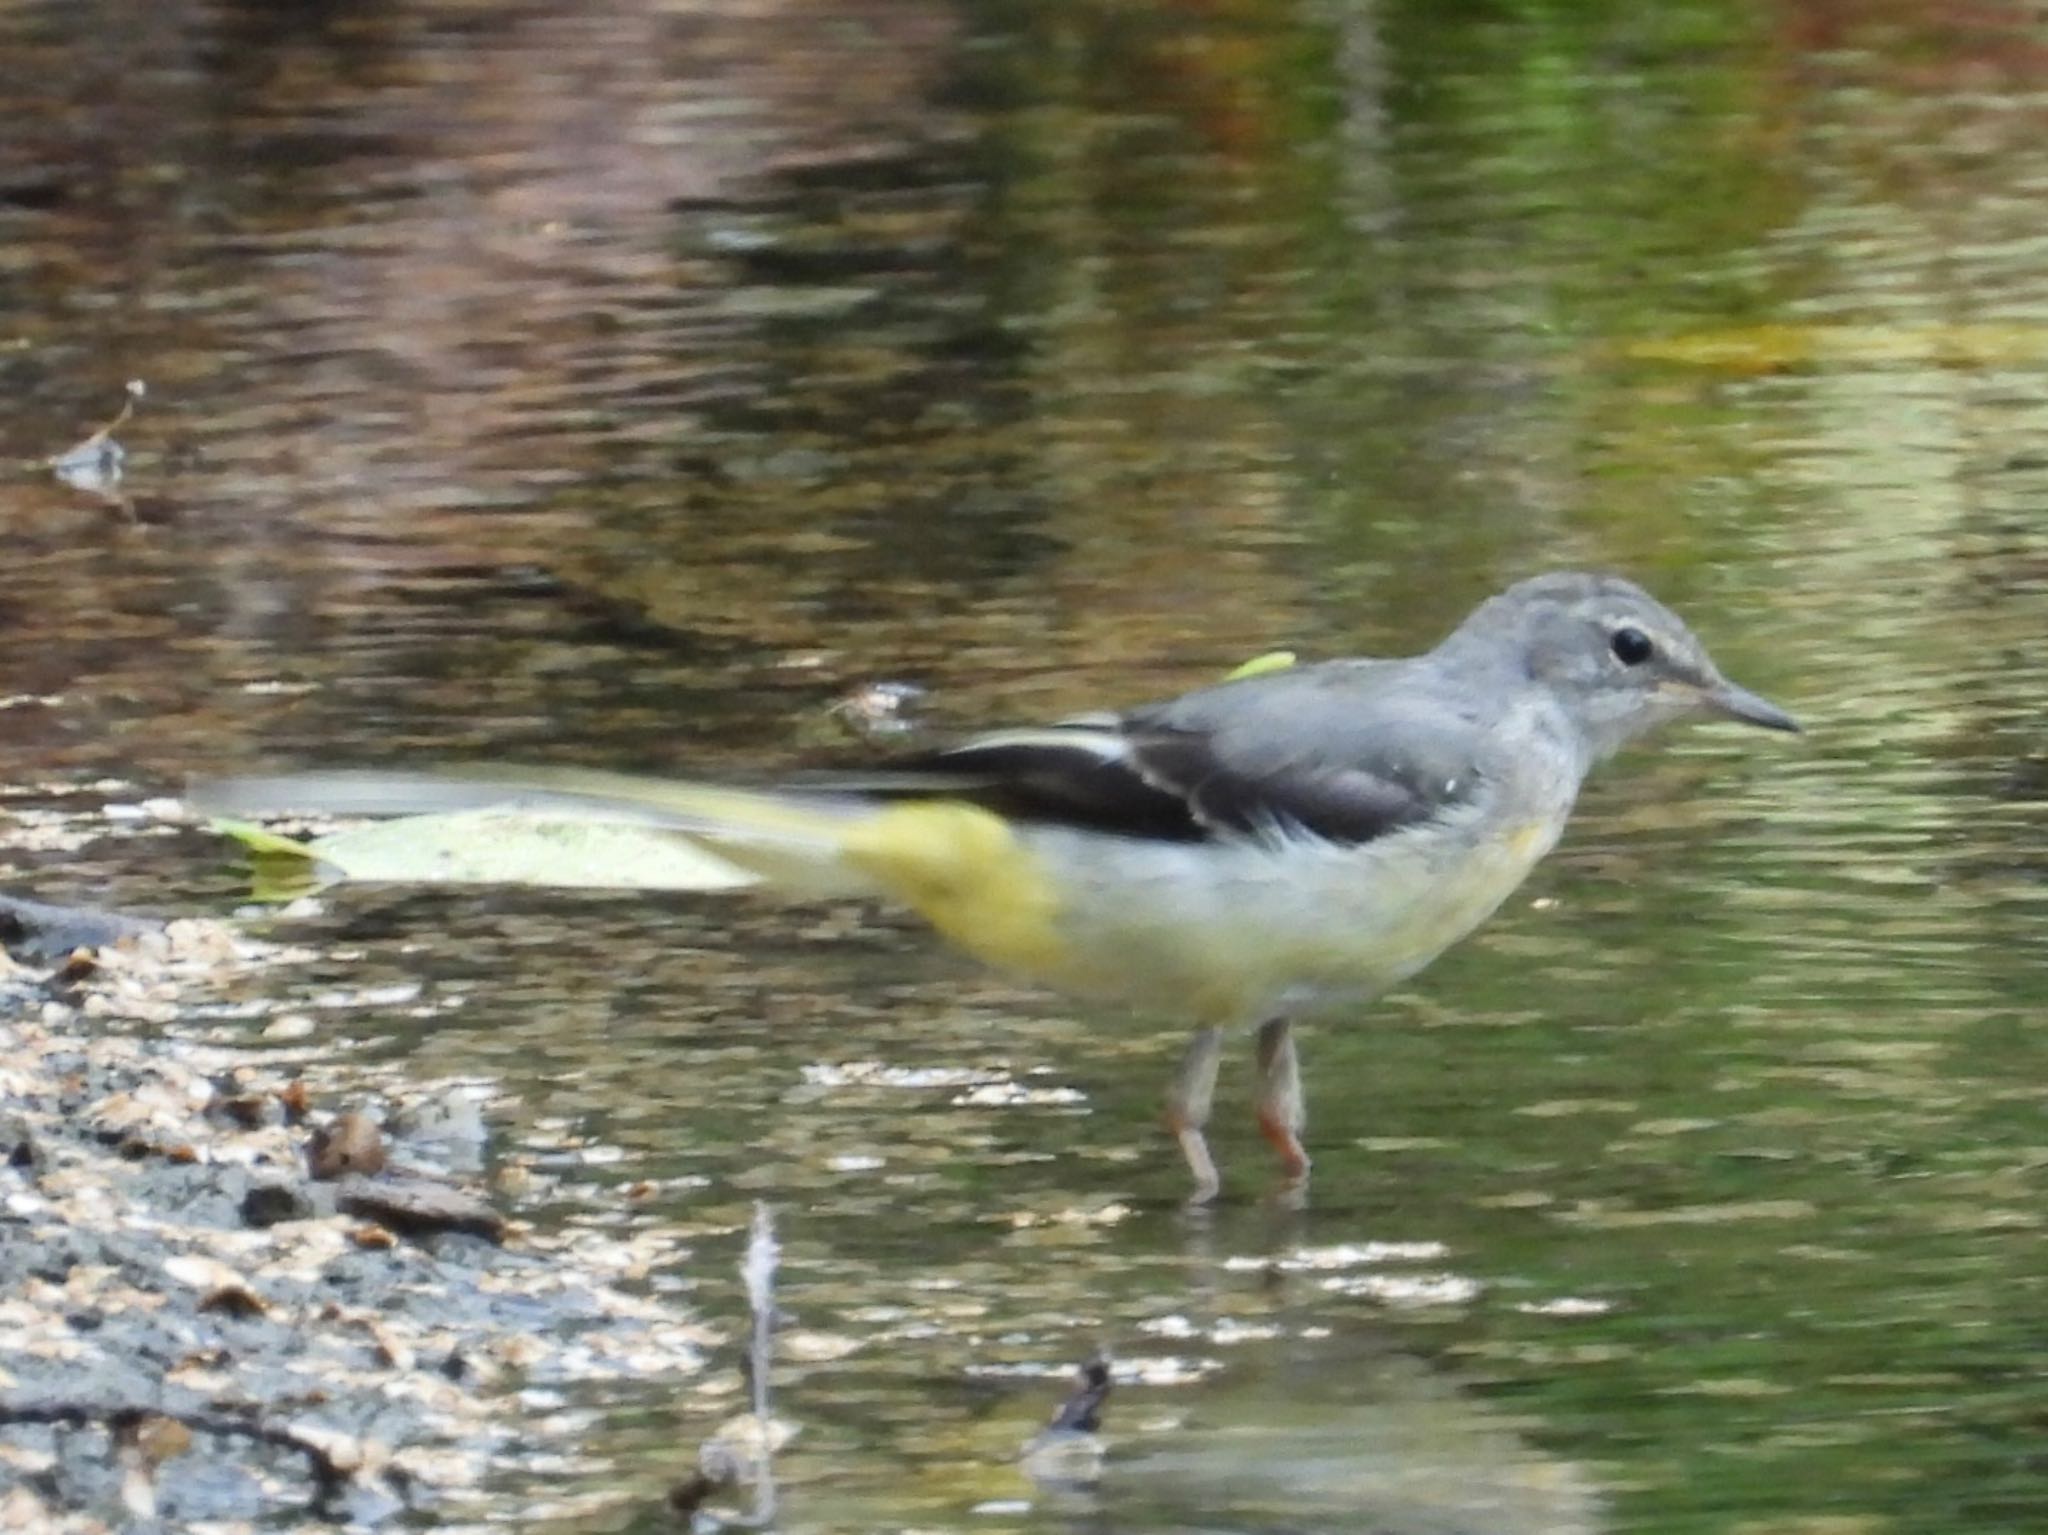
(621, 382)
(1407, 1455)
(1316, 1422)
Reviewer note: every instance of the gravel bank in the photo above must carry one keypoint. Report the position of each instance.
(198, 1333)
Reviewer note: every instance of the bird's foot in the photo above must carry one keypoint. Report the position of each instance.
(1194, 1146)
(1283, 1135)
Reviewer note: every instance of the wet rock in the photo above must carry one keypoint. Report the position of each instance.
(290, 1026)
(418, 1207)
(35, 930)
(351, 1145)
(272, 1202)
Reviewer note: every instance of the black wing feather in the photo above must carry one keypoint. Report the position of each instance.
(1047, 782)
(1178, 786)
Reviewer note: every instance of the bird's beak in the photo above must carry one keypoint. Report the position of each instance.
(1730, 702)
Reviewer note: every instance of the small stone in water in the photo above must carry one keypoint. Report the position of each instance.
(268, 1204)
(352, 1144)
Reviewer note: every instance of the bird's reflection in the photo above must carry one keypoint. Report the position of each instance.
(1308, 1426)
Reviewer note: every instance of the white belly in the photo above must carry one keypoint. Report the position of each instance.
(1231, 932)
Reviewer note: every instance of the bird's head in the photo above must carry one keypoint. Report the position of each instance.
(1617, 661)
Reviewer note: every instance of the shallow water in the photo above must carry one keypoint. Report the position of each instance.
(621, 383)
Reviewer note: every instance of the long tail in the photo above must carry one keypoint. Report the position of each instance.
(794, 840)
(959, 865)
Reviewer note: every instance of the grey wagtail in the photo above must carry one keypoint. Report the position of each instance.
(1274, 845)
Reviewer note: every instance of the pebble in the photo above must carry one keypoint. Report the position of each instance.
(351, 1144)
(17, 1142)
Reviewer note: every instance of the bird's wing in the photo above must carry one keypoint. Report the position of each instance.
(1344, 750)
(1347, 751)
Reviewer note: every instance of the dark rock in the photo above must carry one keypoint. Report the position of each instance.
(686, 1497)
(17, 1143)
(34, 930)
(267, 1204)
(417, 1207)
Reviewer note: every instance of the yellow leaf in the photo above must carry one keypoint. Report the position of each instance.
(1258, 666)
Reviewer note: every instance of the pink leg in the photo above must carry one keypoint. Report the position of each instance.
(1283, 1114)
(1187, 1111)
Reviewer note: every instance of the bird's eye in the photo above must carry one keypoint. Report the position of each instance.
(1632, 647)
